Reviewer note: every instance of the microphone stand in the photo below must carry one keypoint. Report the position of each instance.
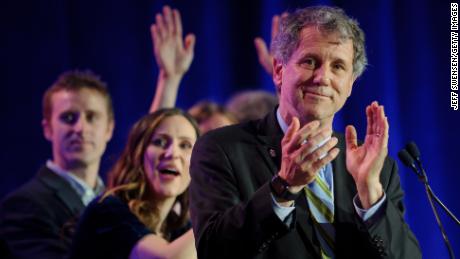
(423, 178)
(430, 194)
(443, 206)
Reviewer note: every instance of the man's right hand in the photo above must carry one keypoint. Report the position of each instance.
(262, 48)
(173, 54)
(302, 157)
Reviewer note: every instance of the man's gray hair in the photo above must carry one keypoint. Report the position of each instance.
(328, 20)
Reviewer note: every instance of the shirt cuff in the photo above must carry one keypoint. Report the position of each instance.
(283, 213)
(366, 214)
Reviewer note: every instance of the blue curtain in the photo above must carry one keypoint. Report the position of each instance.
(408, 45)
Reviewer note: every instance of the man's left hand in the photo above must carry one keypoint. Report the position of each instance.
(365, 162)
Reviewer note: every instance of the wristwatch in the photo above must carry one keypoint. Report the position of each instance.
(280, 189)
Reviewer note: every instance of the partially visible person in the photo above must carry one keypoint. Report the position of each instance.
(173, 56)
(145, 211)
(287, 186)
(38, 219)
(251, 104)
(210, 115)
(263, 53)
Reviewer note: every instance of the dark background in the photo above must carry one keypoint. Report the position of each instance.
(408, 45)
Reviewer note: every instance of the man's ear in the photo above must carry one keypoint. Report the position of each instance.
(47, 130)
(277, 74)
(110, 128)
(352, 84)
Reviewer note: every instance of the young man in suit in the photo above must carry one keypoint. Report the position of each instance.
(287, 186)
(38, 219)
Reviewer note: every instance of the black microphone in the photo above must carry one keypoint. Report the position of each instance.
(407, 157)
(415, 153)
(413, 150)
(407, 160)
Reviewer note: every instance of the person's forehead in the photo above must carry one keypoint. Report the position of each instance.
(312, 37)
(176, 125)
(79, 99)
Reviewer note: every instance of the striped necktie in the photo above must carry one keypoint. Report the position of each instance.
(320, 196)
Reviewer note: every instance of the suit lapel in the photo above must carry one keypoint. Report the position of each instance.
(271, 154)
(63, 191)
(269, 135)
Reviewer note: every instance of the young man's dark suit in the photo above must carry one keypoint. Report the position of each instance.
(38, 219)
(232, 211)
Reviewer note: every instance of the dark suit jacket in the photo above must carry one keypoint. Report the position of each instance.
(38, 219)
(232, 212)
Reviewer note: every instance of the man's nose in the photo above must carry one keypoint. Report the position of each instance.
(81, 124)
(321, 75)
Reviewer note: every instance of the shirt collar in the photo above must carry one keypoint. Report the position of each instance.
(280, 120)
(84, 191)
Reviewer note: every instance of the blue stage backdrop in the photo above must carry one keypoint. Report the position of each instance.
(408, 45)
